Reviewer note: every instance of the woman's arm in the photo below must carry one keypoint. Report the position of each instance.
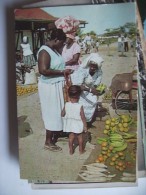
(74, 60)
(44, 60)
(83, 119)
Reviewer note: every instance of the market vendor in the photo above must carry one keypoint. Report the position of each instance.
(89, 76)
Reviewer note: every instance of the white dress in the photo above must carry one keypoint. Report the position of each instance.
(28, 57)
(72, 121)
(51, 93)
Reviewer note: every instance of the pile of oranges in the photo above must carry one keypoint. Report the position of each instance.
(116, 160)
(26, 89)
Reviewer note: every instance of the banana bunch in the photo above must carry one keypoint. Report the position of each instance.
(101, 87)
(117, 142)
(129, 135)
(101, 139)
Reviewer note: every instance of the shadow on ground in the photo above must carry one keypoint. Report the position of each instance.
(24, 128)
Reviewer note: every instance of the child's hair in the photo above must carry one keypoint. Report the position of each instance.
(74, 91)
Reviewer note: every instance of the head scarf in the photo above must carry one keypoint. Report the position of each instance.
(25, 39)
(95, 58)
(68, 24)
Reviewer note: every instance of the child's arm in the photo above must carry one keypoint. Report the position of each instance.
(83, 119)
(63, 112)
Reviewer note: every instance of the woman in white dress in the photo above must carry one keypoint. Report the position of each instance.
(74, 118)
(50, 86)
(26, 53)
(89, 76)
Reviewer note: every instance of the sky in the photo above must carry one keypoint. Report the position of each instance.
(98, 17)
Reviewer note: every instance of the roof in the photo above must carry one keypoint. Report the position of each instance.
(33, 14)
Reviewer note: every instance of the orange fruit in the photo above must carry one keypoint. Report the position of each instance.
(121, 168)
(120, 163)
(100, 158)
(120, 153)
(104, 148)
(112, 163)
(116, 156)
(113, 159)
(111, 148)
(104, 144)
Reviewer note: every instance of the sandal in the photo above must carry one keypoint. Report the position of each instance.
(53, 148)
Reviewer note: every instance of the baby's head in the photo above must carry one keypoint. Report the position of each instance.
(74, 91)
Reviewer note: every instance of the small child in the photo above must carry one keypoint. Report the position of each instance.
(74, 118)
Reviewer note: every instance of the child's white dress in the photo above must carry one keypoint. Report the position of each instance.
(72, 119)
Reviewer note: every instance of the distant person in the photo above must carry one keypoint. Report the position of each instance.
(119, 43)
(26, 53)
(87, 40)
(126, 40)
(122, 43)
(97, 45)
(74, 119)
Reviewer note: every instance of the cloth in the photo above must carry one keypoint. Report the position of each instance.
(71, 36)
(57, 63)
(94, 57)
(68, 24)
(51, 94)
(87, 99)
(52, 103)
(82, 76)
(26, 49)
(72, 119)
(25, 39)
(28, 58)
(89, 102)
(68, 53)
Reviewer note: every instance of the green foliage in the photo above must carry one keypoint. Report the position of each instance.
(129, 28)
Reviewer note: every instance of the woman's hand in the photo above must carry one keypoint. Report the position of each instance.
(95, 92)
(68, 71)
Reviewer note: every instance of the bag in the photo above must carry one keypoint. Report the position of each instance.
(30, 78)
(66, 87)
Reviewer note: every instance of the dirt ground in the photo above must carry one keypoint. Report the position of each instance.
(40, 165)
